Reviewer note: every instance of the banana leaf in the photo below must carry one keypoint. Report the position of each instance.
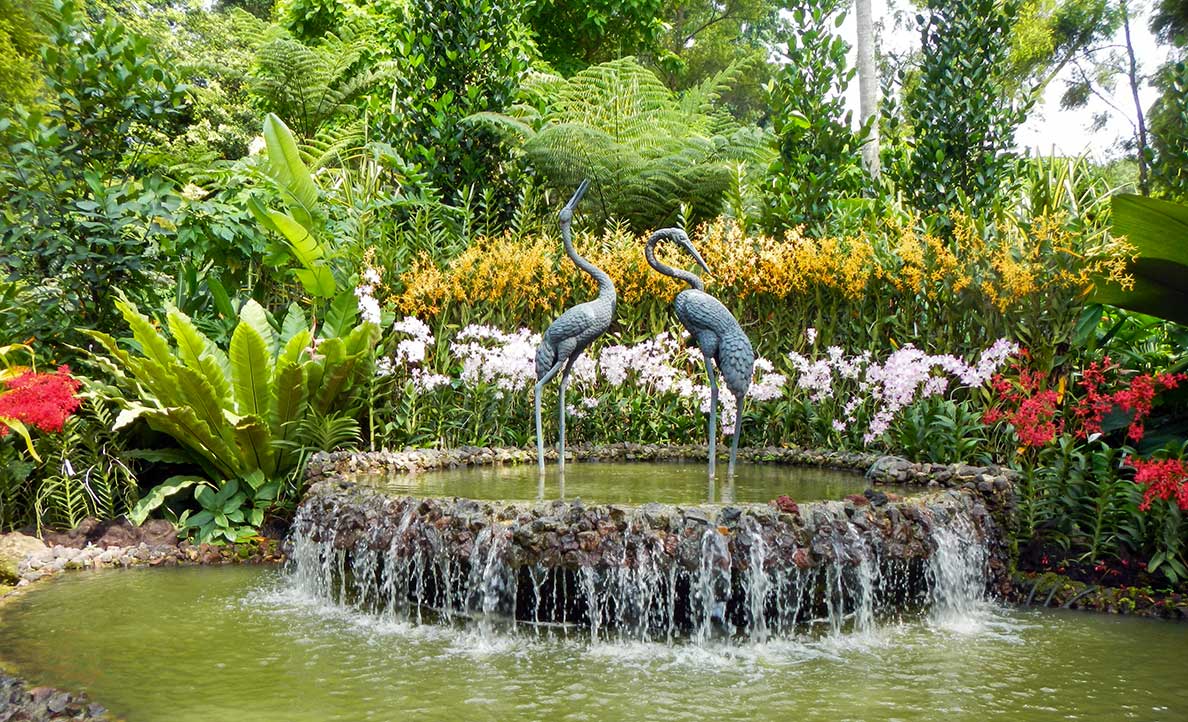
(1159, 232)
(289, 171)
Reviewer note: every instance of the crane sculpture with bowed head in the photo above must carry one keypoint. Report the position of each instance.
(716, 333)
(568, 336)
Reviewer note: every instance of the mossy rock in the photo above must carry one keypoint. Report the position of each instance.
(8, 572)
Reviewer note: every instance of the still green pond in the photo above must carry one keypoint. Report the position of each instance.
(627, 483)
(239, 644)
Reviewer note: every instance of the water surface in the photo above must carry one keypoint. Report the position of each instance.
(630, 483)
(236, 643)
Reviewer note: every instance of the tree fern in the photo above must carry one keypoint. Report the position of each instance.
(311, 86)
(647, 150)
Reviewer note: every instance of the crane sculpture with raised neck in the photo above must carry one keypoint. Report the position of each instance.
(716, 333)
(570, 335)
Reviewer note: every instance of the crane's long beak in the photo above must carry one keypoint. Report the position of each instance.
(577, 196)
(697, 257)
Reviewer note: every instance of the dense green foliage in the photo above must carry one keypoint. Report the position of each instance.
(85, 208)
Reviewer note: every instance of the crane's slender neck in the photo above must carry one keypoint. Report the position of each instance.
(606, 287)
(681, 274)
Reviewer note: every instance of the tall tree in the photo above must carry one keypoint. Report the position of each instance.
(819, 159)
(705, 37)
(963, 107)
(1140, 125)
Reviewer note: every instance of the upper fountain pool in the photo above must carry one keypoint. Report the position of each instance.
(627, 483)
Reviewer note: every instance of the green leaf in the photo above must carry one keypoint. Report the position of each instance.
(1159, 232)
(152, 343)
(193, 433)
(254, 315)
(255, 479)
(286, 166)
(254, 439)
(293, 324)
(342, 316)
(220, 297)
(301, 241)
(197, 352)
(160, 456)
(19, 427)
(314, 274)
(289, 401)
(230, 489)
(294, 350)
(250, 372)
(202, 518)
(361, 339)
(318, 280)
(200, 397)
(268, 492)
(158, 494)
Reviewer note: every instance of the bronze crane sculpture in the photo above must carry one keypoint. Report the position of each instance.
(570, 335)
(716, 333)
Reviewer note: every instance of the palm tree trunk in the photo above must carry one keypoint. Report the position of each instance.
(868, 84)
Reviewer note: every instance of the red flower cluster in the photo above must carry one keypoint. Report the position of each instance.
(43, 401)
(1165, 479)
(1135, 399)
(1026, 404)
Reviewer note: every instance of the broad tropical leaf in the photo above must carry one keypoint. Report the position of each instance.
(152, 343)
(254, 440)
(250, 372)
(158, 494)
(190, 431)
(1159, 232)
(198, 353)
(286, 166)
(254, 315)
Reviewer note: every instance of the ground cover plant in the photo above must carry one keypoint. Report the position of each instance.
(234, 234)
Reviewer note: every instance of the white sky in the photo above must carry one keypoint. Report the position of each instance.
(1049, 129)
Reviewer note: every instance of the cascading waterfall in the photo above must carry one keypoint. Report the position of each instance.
(653, 576)
(957, 572)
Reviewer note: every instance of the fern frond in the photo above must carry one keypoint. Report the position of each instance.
(506, 126)
(309, 86)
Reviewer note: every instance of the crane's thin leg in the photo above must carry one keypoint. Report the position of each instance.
(561, 413)
(713, 419)
(539, 436)
(738, 403)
